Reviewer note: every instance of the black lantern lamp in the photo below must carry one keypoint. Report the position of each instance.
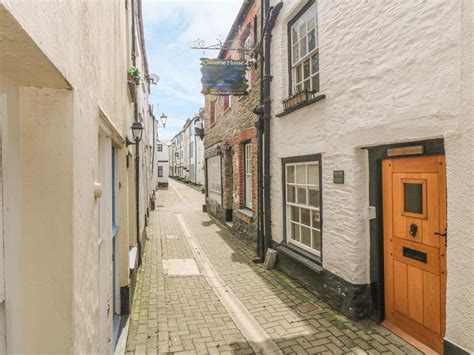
(137, 132)
(163, 119)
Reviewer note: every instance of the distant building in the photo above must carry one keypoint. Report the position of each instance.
(186, 152)
(162, 159)
(196, 150)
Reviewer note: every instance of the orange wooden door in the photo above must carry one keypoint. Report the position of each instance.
(414, 209)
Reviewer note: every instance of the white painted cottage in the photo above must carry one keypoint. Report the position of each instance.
(373, 168)
(163, 163)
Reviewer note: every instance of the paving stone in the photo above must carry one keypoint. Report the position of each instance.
(182, 314)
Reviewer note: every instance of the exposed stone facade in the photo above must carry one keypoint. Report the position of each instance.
(234, 125)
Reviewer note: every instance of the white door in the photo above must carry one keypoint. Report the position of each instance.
(105, 246)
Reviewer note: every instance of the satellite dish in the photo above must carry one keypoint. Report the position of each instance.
(154, 79)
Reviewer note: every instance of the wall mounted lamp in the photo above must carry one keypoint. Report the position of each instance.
(163, 119)
(137, 132)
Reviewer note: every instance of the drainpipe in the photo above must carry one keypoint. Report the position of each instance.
(266, 121)
(269, 16)
(259, 124)
(137, 148)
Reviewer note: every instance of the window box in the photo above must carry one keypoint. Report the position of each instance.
(298, 99)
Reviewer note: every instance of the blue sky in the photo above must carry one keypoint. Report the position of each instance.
(170, 30)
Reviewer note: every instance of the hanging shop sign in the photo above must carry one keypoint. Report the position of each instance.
(224, 77)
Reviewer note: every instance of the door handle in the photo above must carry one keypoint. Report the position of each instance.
(445, 235)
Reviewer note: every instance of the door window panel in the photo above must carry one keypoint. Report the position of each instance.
(413, 198)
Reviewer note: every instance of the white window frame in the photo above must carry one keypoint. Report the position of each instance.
(160, 171)
(248, 45)
(299, 39)
(160, 147)
(313, 210)
(248, 175)
(214, 174)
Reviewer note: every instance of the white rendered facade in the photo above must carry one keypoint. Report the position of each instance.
(385, 81)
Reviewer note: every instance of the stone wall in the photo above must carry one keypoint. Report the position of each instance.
(234, 126)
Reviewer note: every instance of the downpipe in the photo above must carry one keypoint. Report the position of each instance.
(264, 110)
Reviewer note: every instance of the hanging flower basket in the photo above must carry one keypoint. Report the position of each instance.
(297, 99)
(133, 75)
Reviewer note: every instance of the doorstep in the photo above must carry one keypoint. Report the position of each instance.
(408, 338)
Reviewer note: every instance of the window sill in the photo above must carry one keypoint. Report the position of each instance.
(303, 104)
(312, 262)
(246, 211)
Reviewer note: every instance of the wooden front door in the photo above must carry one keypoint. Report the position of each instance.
(414, 210)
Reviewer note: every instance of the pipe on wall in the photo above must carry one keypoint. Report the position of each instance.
(270, 22)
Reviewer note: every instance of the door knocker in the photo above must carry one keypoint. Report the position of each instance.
(413, 230)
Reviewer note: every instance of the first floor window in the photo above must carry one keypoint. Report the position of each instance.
(212, 112)
(214, 174)
(225, 103)
(305, 51)
(160, 171)
(248, 174)
(303, 205)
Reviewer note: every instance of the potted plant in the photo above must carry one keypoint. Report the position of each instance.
(133, 75)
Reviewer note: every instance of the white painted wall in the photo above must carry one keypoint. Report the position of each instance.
(391, 72)
(50, 146)
(162, 159)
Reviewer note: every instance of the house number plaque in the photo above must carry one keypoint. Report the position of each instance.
(338, 176)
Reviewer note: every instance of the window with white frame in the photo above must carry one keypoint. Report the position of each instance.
(248, 45)
(214, 174)
(160, 147)
(248, 175)
(160, 171)
(303, 205)
(305, 51)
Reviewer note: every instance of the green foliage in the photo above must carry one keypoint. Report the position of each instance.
(134, 74)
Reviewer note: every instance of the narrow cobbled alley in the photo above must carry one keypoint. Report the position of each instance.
(199, 292)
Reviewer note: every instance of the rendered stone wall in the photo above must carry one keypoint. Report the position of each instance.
(391, 72)
(87, 43)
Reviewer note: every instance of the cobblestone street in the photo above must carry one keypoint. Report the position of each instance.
(198, 292)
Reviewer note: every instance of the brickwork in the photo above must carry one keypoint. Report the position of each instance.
(234, 125)
(183, 314)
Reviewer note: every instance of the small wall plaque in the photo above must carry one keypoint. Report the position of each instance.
(414, 150)
(338, 176)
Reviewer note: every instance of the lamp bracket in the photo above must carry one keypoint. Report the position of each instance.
(129, 142)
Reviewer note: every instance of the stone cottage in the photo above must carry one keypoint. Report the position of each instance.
(231, 135)
(372, 160)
